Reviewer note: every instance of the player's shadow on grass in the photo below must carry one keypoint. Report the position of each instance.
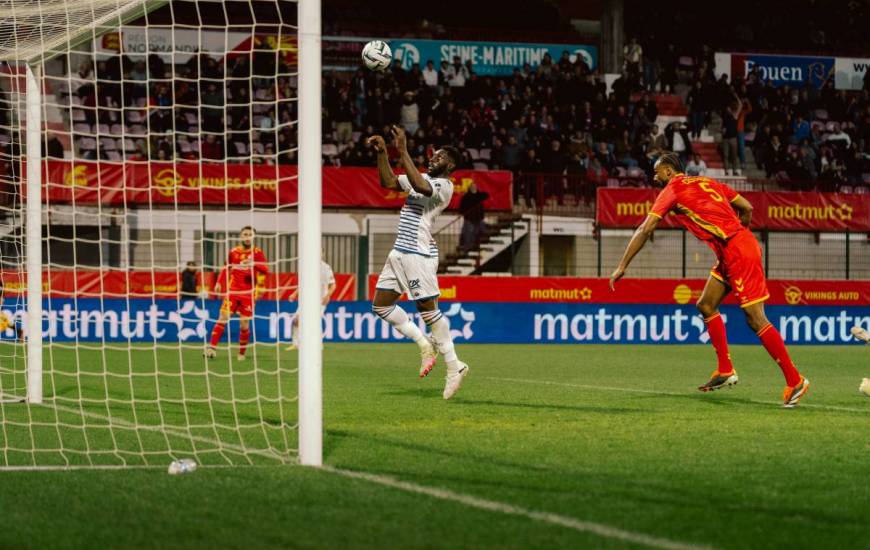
(460, 401)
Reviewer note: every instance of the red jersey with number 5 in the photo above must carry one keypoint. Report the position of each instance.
(702, 205)
(243, 278)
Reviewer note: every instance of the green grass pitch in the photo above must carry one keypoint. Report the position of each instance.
(614, 436)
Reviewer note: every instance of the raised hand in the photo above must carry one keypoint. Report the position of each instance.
(378, 143)
(399, 137)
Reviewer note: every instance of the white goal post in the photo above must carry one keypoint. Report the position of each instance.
(94, 398)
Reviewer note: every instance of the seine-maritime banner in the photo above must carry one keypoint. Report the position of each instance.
(170, 321)
(627, 207)
(487, 58)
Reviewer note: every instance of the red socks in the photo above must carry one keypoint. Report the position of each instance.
(716, 330)
(772, 342)
(216, 333)
(244, 338)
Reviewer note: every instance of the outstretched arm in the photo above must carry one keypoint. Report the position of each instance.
(640, 237)
(418, 182)
(385, 172)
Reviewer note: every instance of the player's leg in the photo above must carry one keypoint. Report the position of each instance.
(440, 327)
(744, 259)
(294, 332)
(389, 288)
(219, 327)
(244, 335)
(708, 305)
(425, 272)
(796, 385)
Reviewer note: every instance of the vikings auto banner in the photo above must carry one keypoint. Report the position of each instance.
(111, 183)
(636, 291)
(627, 208)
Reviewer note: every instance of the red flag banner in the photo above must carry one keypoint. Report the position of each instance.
(158, 284)
(111, 183)
(635, 291)
(627, 207)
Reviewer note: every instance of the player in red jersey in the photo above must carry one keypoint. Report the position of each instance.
(717, 215)
(245, 264)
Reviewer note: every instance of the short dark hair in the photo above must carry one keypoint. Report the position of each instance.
(672, 160)
(247, 227)
(453, 154)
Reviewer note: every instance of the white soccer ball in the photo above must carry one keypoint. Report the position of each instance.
(377, 55)
(865, 387)
(183, 466)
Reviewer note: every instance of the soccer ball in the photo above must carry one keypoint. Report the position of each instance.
(865, 387)
(377, 55)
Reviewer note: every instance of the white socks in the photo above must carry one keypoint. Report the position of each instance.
(440, 327)
(397, 317)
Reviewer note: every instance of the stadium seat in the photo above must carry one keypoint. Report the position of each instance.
(821, 114)
(87, 143)
(114, 156)
(78, 115)
(486, 154)
(328, 149)
(473, 153)
(480, 166)
(241, 148)
(107, 143)
(82, 128)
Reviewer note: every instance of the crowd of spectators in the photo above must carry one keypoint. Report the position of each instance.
(238, 109)
(559, 118)
(804, 135)
(556, 118)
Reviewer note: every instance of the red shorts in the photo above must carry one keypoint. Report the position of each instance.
(239, 303)
(739, 267)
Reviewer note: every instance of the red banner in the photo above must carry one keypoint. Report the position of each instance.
(642, 291)
(111, 183)
(627, 207)
(158, 284)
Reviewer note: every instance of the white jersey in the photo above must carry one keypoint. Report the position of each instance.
(327, 277)
(416, 217)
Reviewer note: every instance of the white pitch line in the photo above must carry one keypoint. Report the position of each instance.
(662, 392)
(599, 529)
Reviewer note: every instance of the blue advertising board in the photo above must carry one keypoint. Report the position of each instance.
(143, 320)
(488, 58)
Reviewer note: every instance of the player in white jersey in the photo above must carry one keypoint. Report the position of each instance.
(412, 265)
(327, 287)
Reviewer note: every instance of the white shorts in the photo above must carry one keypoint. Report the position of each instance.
(413, 274)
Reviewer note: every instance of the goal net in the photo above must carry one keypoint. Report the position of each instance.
(163, 128)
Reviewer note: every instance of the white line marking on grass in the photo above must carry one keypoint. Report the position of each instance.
(600, 529)
(662, 392)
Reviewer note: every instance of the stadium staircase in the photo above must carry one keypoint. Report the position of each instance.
(672, 109)
(507, 230)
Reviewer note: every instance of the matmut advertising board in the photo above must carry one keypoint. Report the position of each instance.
(170, 320)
